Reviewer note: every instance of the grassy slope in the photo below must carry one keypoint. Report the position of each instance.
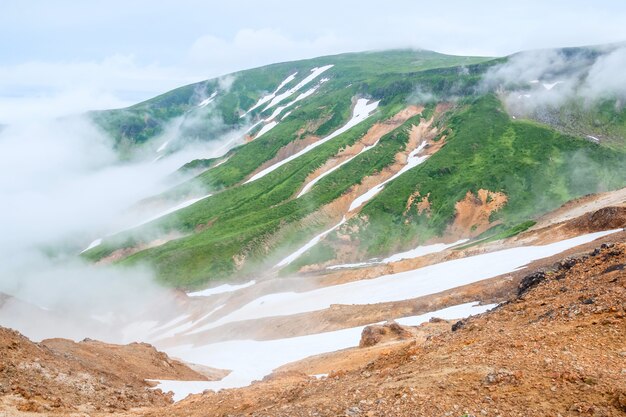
(536, 167)
(139, 123)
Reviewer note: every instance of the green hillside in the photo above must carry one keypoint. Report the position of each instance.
(244, 228)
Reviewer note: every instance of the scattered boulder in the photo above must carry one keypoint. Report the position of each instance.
(377, 333)
(530, 281)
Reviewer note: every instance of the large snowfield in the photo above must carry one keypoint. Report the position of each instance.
(250, 360)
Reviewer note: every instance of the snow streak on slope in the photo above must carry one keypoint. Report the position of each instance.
(421, 251)
(404, 285)
(251, 360)
(412, 161)
(92, 245)
(315, 72)
(330, 171)
(220, 289)
(177, 207)
(163, 146)
(270, 123)
(361, 111)
(173, 209)
(410, 254)
(268, 97)
(266, 128)
(289, 259)
(208, 100)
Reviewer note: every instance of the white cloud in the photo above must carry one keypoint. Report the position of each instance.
(51, 89)
(252, 47)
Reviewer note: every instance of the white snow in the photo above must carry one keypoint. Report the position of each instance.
(454, 312)
(181, 327)
(220, 289)
(404, 285)
(207, 100)
(593, 138)
(251, 360)
(255, 125)
(354, 265)
(421, 251)
(361, 111)
(92, 245)
(159, 215)
(534, 81)
(413, 253)
(412, 161)
(285, 115)
(315, 72)
(177, 207)
(289, 259)
(330, 171)
(269, 97)
(280, 109)
(163, 146)
(266, 128)
(550, 86)
(276, 112)
(223, 161)
(304, 95)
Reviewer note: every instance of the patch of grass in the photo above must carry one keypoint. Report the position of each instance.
(492, 235)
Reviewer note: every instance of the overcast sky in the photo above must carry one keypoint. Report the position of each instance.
(62, 56)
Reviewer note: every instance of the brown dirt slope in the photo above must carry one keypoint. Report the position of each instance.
(558, 347)
(60, 376)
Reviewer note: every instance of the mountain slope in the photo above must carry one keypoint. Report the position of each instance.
(345, 158)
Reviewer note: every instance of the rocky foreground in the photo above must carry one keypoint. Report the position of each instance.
(558, 347)
(59, 376)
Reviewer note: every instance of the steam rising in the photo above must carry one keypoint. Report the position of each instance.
(537, 80)
(62, 185)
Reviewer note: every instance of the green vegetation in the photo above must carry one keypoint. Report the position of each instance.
(244, 228)
(496, 233)
(537, 168)
(238, 92)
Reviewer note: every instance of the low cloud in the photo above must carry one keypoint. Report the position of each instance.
(533, 81)
(36, 88)
(62, 185)
(258, 47)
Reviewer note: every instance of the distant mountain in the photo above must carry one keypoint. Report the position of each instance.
(346, 159)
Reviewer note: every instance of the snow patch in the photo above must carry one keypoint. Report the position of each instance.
(421, 251)
(330, 171)
(315, 72)
(450, 313)
(163, 146)
(404, 285)
(266, 128)
(251, 360)
(550, 86)
(177, 207)
(412, 161)
(92, 245)
(289, 259)
(220, 289)
(361, 111)
(269, 97)
(208, 100)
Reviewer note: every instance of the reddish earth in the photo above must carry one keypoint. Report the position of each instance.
(377, 131)
(61, 376)
(472, 213)
(557, 347)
